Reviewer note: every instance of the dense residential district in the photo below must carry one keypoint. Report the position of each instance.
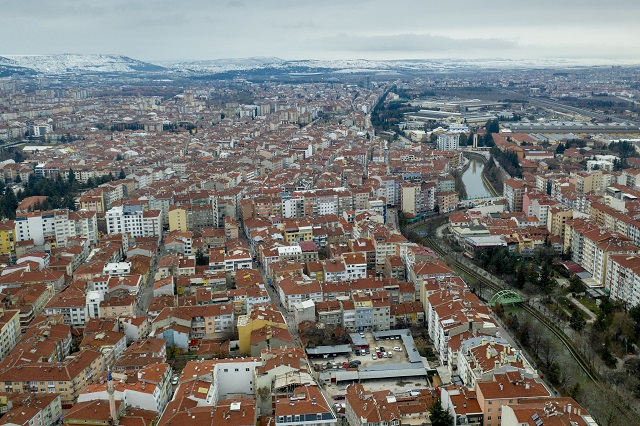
(350, 251)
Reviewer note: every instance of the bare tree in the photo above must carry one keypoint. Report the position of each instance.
(547, 351)
(536, 338)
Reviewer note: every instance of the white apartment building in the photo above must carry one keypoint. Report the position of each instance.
(151, 392)
(35, 226)
(9, 330)
(58, 225)
(117, 269)
(448, 141)
(134, 221)
(293, 207)
(623, 279)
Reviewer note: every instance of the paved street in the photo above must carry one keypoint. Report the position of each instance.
(146, 292)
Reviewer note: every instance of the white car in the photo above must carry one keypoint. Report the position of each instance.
(397, 349)
(374, 356)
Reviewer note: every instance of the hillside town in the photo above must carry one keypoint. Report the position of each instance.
(256, 253)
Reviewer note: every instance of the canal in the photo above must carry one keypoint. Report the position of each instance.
(473, 182)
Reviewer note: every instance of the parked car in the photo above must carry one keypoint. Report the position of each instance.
(382, 349)
(358, 352)
(361, 334)
(397, 349)
(374, 356)
(367, 351)
(389, 354)
(174, 380)
(379, 354)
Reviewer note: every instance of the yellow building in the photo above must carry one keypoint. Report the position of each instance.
(260, 316)
(298, 233)
(177, 219)
(557, 219)
(7, 237)
(93, 201)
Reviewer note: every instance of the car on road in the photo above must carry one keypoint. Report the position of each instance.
(174, 380)
(397, 349)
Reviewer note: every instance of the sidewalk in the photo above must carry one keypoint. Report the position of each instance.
(592, 316)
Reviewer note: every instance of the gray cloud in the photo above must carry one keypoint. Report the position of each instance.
(412, 43)
(340, 29)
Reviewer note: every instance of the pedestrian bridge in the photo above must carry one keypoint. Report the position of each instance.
(505, 297)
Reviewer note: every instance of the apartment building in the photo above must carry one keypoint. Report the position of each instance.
(71, 303)
(7, 237)
(149, 388)
(66, 378)
(9, 330)
(513, 191)
(307, 406)
(506, 389)
(448, 141)
(31, 409)
(623, 279)
(135, 221)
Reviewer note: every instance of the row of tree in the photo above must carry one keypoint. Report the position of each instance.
(60, 192)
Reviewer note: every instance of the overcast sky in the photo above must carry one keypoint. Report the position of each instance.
(164, 30)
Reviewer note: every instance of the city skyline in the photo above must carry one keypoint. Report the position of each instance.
(156, 32)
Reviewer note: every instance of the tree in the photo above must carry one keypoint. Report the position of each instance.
(521, 277)
(9, 204)
(438, 416)
(545, 282)
(122, 174)
(577, 321)
(201, 259)
(71, 176)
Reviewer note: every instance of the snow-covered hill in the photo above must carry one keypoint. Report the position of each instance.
(363, 65)
(63, 63)
(225, 65)
(76, 63)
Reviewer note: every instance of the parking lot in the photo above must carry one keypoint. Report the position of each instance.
(389, 345)
(399, 386)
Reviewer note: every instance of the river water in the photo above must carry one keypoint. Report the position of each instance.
(472, 179)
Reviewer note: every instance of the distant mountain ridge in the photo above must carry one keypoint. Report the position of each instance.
(99, 63)
(70, 62)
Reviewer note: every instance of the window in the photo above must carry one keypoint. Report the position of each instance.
(246, 369)
(237, 370)
(489, 418)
